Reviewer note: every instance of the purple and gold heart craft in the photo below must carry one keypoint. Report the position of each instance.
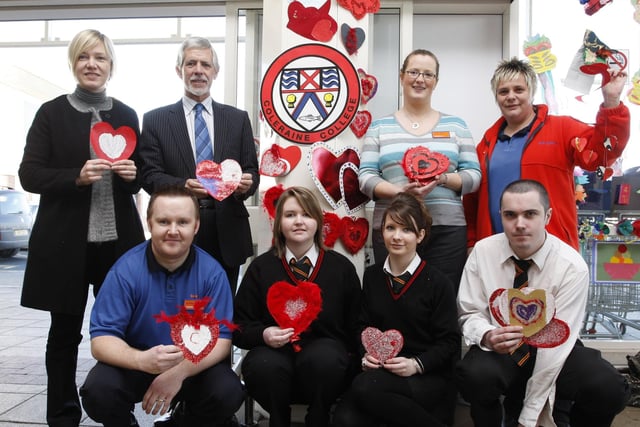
(112, 144)
(382, 345)
(220, 180)
(534, 310)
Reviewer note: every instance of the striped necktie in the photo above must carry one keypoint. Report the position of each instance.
(203, 141)
(521, 280)
(398, 282)
(300, 268)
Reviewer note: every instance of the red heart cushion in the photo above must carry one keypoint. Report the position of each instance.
(382, 345)
(294, 306)
(220, 180)
(110, 144)
(354, 234)
(360, 123)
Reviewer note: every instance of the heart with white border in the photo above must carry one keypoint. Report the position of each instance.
(110, 144)
(220, 180)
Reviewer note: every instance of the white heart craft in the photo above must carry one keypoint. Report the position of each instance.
(195, 339)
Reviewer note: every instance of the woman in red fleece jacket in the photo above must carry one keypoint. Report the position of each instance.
(528, 143)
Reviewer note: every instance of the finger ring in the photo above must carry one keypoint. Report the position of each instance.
(363, 363)
(160, 400)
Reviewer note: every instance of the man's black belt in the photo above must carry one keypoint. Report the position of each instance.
(206, 204)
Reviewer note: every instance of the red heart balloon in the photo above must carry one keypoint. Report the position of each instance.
(220, 180)
(110, 144)
(382, 345)
(294, 306)
(355, 233)
(360, 123)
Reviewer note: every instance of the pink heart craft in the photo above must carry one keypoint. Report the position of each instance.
(279, 161)
(338, 185)
(110, 144)
(352, 38)
(382, 345)
(220, 180)
(360, 8)
(354, 233)
(368, 85)
(550, 333)
(360, 123)
(294, 306)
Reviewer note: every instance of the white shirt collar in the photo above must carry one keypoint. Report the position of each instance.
(411, 268)
(312, 254)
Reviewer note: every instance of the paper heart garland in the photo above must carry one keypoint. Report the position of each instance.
(352, 38)
(354, 234)
(279, 161)
(310, 22)
(368, 86)
(547, 333)
(220, 180)
(360, 123)
(294, 306)
(110, 144)
(359, 8)
(336, 176)
(422, 165)
(382, 345)
(195, 333)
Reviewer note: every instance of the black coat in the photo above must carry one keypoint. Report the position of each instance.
(56, 150)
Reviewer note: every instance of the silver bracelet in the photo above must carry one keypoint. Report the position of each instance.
(446, 180)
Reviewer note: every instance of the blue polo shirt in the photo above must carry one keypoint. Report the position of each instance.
(137, 288)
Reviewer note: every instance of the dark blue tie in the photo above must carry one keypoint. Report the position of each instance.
(203, 141)
(521, 280)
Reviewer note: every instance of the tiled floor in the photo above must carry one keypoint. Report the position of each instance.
(22, 375)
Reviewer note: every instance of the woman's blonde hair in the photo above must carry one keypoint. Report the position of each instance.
(84, 41)
(309, 204)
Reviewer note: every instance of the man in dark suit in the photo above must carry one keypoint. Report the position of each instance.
(169, 142)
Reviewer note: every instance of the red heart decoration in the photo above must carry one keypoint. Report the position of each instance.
(279, 161)
(421, 164)
(527, 311)
(382, 345)
(220, 180)
(580, 143)
(368, 85)
(359, 8)
(352, 38)
(349, 188)
(555, 333)
(597, 68)
(110, 144)
(332, 228)
(354, 233)
(360, 123)
(311, 22)
(608, 172)
(328, 172)
(589, 156)
(195, 342)
(294, 306)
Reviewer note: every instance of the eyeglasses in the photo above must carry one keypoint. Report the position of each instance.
(414, 74)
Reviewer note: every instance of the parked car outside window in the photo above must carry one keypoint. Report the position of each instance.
(15, 222)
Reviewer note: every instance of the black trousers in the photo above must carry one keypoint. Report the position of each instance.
(378, 397)
(595, 387)
(316, 376)
(110, 393)
(61, 357)
(207, 239)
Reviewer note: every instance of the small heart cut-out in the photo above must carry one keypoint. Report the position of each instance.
(382, 345)
(354, 233)
(360, 123)
(279, 161)
(368, 86)
(526, 311)
(110, 144)
(220, 180)
(580, 143)
(352, 38)
(196, 339)
(360, 8)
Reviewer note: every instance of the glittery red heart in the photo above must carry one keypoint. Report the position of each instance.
(110, 144)
(354, 233)
(279, 161)
(382, 345)
(196, 342)
(360, 123)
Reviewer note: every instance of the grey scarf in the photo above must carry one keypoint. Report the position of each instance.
(102, 214)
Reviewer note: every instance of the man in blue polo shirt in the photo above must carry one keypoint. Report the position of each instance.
(137, 359)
